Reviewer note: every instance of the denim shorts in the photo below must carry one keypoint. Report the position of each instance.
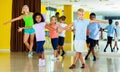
(40, 47)
(54, 42)
(61, 41)
(29, 31)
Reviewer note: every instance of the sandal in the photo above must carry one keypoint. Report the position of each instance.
(73, 66)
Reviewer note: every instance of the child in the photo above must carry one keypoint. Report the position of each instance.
(87, 38)
(54, 36)
(94, 29)
(117, 35)
(39, 27)
(57, 15)
(40, 37)
(29, 31)
(80, 27)
(110, 33)
(61, 36)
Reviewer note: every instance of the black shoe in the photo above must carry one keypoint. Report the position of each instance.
(83, 66)
(86, 57)
(111, 50)
(104, 50)
(94, 58)
(117, 49)
(63, 53)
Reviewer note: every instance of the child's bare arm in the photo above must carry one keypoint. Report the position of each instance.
(68, 27)
(99, 21)
(20, 29)
(115, 32)
(15, 19)
(48, 27)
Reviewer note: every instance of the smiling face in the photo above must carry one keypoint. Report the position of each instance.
(92, 17)
(53, 20)
(80, 15)
(25, 9)
(38, 19)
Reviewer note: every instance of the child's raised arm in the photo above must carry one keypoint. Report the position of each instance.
(15, 19)
(48, 27)
(99, 21)
(68, 26)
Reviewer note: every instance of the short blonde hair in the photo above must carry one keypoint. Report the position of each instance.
(81, 10)
(23, 8)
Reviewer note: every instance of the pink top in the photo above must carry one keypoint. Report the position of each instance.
(53, 33)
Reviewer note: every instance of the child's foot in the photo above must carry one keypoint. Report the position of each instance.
(43, 62)
(104, 50)
(73, 66)
(111, 50)
(30, 55)
(117, 49)
(83, 66)
(94, 58)
(40, 62)
(86, 57)
(55, 59)
(63, 53)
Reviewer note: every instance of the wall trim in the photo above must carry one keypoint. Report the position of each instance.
(4, 50)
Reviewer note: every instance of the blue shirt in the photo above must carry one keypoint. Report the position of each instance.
(94, 29)
(110, 29)
(80, 27)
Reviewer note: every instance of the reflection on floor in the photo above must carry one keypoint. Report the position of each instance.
(19, 62)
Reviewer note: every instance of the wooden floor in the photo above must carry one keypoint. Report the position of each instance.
(19, 62)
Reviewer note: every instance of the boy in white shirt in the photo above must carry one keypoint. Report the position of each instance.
(61, 35)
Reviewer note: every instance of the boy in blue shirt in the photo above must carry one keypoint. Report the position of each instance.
(110, 33)
(94, 35)
(80, 27)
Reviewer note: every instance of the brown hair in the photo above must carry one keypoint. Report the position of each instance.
(52, 17)
(63, 18)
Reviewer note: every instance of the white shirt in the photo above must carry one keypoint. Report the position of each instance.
(117, 30)
(40, 31)
(63, 33)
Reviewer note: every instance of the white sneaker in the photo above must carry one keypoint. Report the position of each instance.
(55, 59)
(40, 62)
(43, 62)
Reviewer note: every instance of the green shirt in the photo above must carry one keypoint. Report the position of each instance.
(28, 20)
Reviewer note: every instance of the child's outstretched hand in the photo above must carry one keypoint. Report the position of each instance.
(5, 23)
(20, 29)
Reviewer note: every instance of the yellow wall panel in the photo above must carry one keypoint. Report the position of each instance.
(5, 30)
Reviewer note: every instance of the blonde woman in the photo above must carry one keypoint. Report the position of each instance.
(27, 16)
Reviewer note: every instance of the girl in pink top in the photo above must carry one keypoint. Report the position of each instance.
(54, 35)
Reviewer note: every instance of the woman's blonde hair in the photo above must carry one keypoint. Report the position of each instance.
(23, 8)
